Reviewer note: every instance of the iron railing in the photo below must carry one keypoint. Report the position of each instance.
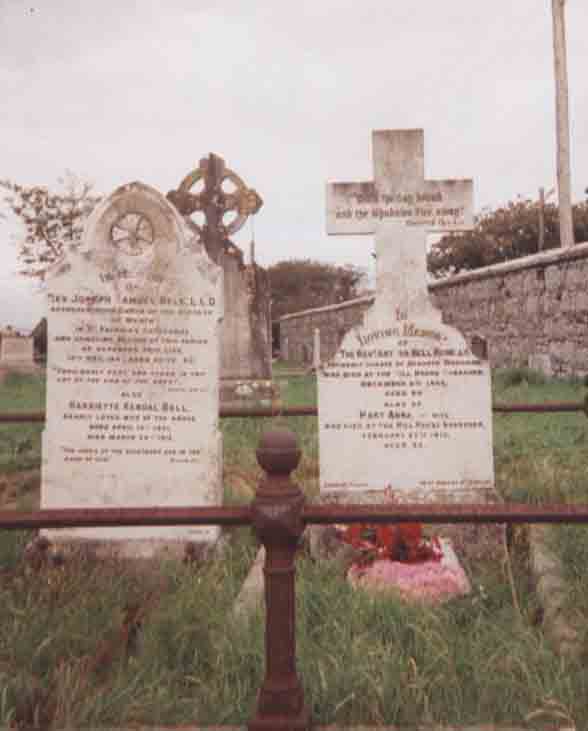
(277, 409)
(279, 515)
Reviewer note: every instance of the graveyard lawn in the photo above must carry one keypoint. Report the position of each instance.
(20, 444)
(88, 644)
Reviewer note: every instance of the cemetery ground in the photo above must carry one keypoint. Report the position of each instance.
(94, 643)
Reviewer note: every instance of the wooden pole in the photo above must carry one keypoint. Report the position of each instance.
(566, 225)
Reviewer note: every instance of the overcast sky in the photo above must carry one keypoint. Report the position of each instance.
(288, 93)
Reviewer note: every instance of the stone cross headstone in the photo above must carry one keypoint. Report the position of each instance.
(133, 373)
(404, 405)
(216, 203)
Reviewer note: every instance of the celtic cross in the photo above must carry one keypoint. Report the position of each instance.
(214, 202)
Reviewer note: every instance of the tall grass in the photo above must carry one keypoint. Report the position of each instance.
(20, 444)
(101, 644)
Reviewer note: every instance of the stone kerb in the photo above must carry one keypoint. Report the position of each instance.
(133, 373)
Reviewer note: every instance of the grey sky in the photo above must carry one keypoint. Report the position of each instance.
(288, 94)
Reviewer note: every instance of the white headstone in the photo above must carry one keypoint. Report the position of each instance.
(133, 373)
(404, 405)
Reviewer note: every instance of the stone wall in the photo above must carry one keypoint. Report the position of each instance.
(531, 311)
(333, 321)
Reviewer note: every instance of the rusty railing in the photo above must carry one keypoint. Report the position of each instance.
(279, 514)
(276, 409)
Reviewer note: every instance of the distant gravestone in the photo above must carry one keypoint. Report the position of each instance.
(404, 405)
(316, 350)
(133, 373)
(541, 362)
(17, 354)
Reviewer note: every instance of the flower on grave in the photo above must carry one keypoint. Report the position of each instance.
(403, 542)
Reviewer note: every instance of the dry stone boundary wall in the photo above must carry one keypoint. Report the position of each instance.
(531, 311)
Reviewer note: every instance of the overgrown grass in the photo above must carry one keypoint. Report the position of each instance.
(70, 655)
(20, 444)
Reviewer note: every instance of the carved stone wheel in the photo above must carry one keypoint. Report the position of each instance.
(132, 233)
(242, 201)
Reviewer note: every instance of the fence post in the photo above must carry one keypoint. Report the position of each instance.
(277, 520)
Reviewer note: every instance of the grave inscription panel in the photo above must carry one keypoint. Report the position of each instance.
(133, 370)
(405, 407)
(399, 191)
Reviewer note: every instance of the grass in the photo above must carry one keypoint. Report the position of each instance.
(20, 445)
(93, 644)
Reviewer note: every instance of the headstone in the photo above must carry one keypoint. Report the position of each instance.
(17, 354)
(541, 362)
(133, 373)
(404, 397)
(216, 203)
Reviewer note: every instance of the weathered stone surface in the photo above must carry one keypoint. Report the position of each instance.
(475, 302)
(551, 589)
(245, 330)
(399, 191)
(213, 215)
(250, 598)
(133, 371)
(16, 350)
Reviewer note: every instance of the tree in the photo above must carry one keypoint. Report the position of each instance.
(301, 284)
(51, 220)
(501, 235)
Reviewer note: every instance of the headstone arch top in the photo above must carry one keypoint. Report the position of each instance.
(124, 212)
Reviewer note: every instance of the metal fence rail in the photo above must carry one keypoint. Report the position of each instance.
(276, 409)
(278, 514)
(318, 514)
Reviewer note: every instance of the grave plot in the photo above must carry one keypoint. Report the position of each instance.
(404, 404)
(474, 659)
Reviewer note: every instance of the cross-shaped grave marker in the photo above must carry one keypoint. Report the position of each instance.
(404, 405)
(399, 194)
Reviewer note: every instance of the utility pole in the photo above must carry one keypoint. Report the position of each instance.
(541, 242)
(566, 225)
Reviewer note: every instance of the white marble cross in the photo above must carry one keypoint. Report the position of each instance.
(399, 206)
